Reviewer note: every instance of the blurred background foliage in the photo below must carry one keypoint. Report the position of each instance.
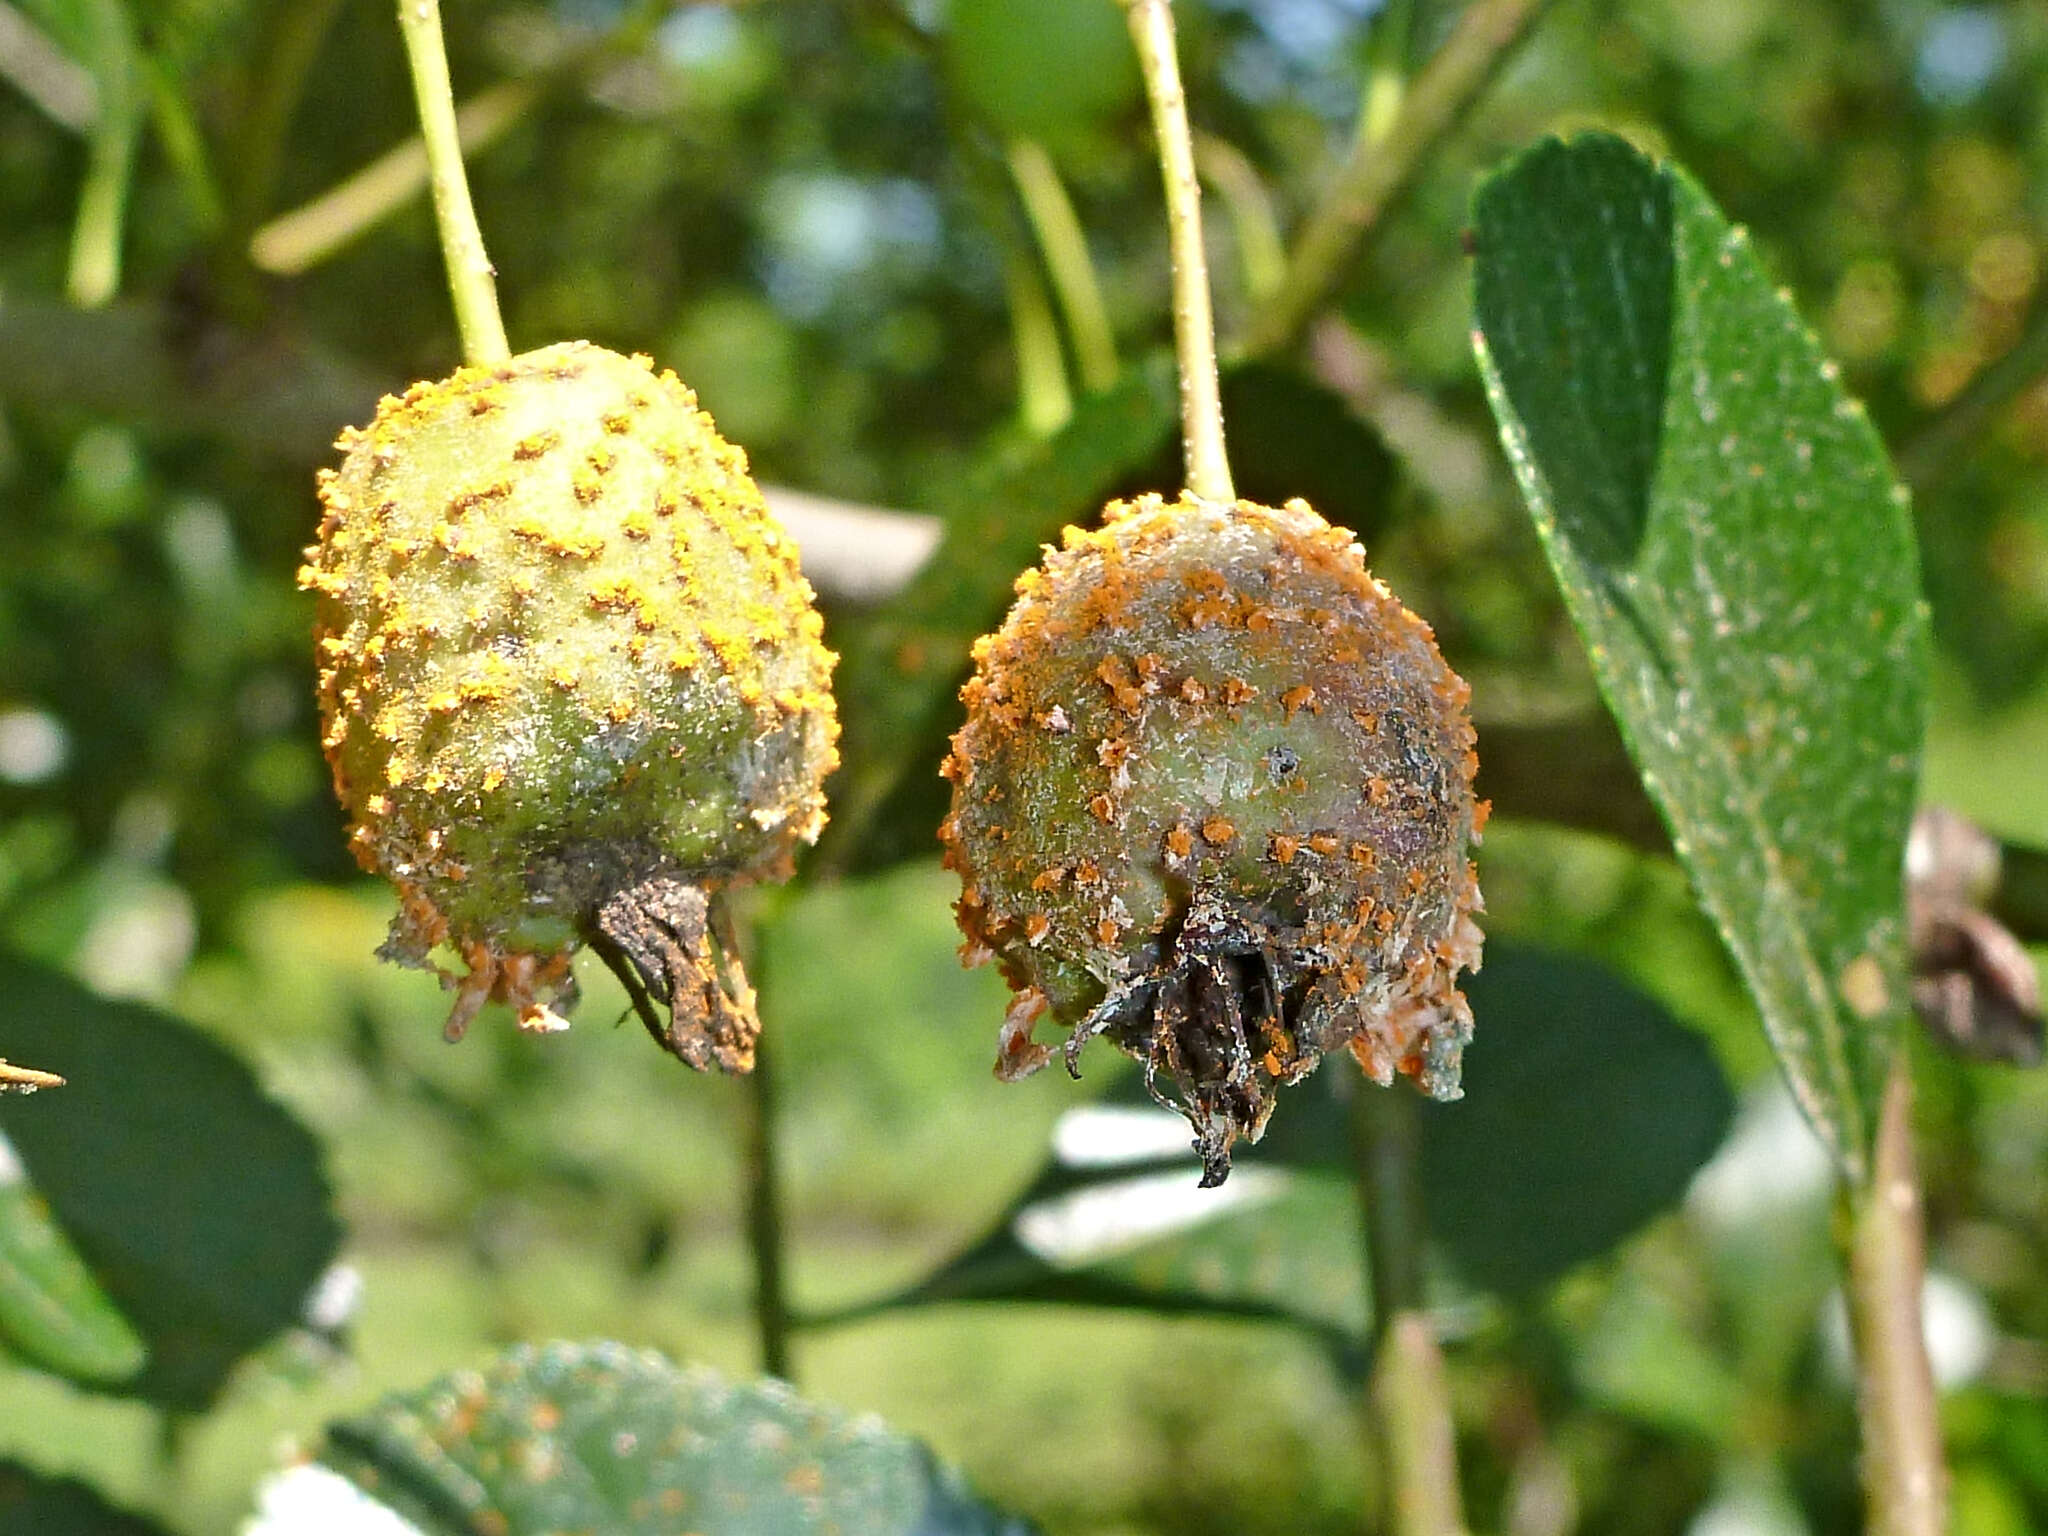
(819, 213)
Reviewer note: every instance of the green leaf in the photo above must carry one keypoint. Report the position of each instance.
(600, 1437)
(1640, 1357)
(1736, 553)
(34, 1505)
(1588, 1108)
(198, 1203)
(1587, 1111)
(52, 1312)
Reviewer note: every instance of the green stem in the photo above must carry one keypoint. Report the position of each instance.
(1260, 254)
(292, 37)
(1043, 399)
(1194, 323)
(1386, 70)
(471, 279)
(1065, 248)
(1385, 1137)
(760, 1160)
(95, 269)
(1408, 1400)
(764, 1213)
(1933, 450)
(183, 145)
(1384, 161)
(1904, 1482)
(306, 236)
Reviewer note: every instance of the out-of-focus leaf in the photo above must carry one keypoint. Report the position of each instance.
(1289, 436)
(599, 1437)
(1039, 69)
(52, 1313)
(1587, 1111)
(1639, 1358)
(198, 1203)
(1736, 553)
(34, 1505)
(183, 34)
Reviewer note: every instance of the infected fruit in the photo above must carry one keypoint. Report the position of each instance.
(572, 685)
(1213, 799)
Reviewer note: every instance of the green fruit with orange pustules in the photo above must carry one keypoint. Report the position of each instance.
(572, 684)
(1214, 800)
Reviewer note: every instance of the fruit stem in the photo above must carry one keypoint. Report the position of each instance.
(1903, 1478)
(1194, 322)
(471, 278)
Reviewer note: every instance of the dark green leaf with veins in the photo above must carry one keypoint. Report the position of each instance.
(197, 1202)
(1737, 555)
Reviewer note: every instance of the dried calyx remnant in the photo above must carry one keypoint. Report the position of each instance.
(573, 686)
(1213, 799)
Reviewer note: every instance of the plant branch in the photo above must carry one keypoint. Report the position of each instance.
(471, 278)
(1194, 322)
(763, 1174)
(1044, 402)
(1378, 170)
(1904, 1483)
(94, 273)
(1408, 1397)
(1067, 262)
(1931, 451)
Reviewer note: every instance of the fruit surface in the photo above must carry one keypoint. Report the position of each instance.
(572, 683)
(1213, 799)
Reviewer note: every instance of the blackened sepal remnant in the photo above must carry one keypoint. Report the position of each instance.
(1219, 1020)
(671, 945)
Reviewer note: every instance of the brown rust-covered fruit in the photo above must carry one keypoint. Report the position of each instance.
(1213, 799)
(572, 685)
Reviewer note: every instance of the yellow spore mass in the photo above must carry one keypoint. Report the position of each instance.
(1265, 767)
(572, 685)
